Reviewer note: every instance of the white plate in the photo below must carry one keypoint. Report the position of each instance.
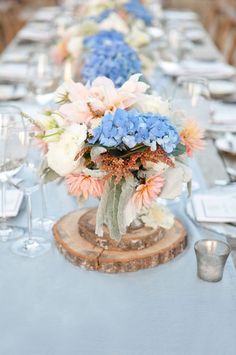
(222, 87)
(28, 34)
(13, 72)
(224, 145)
(11, 92)
(180, 15)
(46, 13)
(210, 70)
(195, 35)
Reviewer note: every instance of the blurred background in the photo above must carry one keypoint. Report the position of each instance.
(218, 17)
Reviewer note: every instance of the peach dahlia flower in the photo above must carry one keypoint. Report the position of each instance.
(146, 193)
(81, 185)
(192, 137)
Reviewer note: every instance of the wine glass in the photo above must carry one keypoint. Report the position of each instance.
(44, 77)
(30, 245)
(12, 154)
(192, 98)
(46, 221)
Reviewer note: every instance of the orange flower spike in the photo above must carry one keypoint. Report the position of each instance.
(192, 137)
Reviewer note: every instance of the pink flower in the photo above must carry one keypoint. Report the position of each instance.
(82, 185)
(60, 52)
(146, 193)
(192, 137)
(101, 97)
(39, 143)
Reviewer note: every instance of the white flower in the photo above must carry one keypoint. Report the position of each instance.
(158, 216)
(61, 155)
(75, 46)
(174, 179)
(45, 121)
(114, 22)
(138, 38)
(154, 104)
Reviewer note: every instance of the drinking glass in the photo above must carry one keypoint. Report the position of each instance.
(12, 155)
(30, 245)
(192, 97)
(211, 258)
(44, 77)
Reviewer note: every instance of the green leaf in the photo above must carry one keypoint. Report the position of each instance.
(46, 173)
(128, 187)
(179, 150)
(101, 211)
(112, 211)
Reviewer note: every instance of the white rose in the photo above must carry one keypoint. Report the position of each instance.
(153, 104)
(61, 154)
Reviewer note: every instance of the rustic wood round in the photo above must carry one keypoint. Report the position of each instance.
(83, 253)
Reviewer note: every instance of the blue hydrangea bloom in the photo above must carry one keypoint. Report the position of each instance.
(110, 56)
(131, 128)
(103, 38)
(139, 11)
(102, 16)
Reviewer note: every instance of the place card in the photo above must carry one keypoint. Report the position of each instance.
(219, 208)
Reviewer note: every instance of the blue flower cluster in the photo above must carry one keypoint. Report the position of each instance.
(135, 8)
(131, 128)
(103, 38)
(110, 56)
(102, 16)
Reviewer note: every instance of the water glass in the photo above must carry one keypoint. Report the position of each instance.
(211, 258)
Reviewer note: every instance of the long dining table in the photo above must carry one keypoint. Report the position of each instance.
(50, 307)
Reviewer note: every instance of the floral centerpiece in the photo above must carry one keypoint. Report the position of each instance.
(71, 44)
(109, 56)
(121, 145)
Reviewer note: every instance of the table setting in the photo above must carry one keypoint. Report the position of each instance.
(118, 176)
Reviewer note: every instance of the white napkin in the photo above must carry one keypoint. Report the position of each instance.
(180, 15)
(14, 199)
(222, 87)
(195, 34)
(33, 34)
(212, 70)
(46, 13)
(13, 72)
(224, 113)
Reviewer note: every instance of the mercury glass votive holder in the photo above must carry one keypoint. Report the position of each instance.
(211, 258)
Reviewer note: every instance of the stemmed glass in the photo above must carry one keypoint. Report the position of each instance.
(12, 155)
(192, 97)
(44, 222)
(31, 245)
(44, 77)
(43, 80)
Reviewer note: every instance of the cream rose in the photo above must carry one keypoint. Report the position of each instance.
(61, 155)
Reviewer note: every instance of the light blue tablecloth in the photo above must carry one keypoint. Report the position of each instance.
(50, 307)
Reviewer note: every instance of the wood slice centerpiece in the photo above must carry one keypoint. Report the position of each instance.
(139, 249)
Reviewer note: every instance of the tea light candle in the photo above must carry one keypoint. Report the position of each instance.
(211, 258)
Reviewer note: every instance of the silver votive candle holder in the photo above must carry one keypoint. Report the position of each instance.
(211, 258)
